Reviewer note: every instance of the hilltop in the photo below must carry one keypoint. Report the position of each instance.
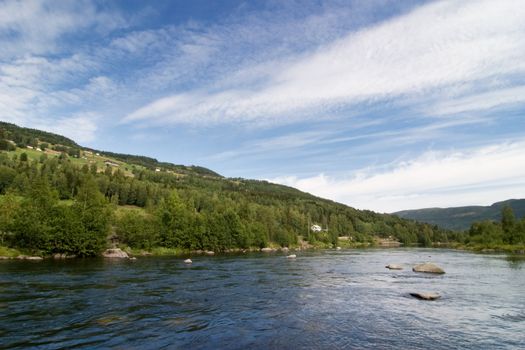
(461, 218)
(57, 196)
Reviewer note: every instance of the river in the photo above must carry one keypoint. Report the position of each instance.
(321, 300)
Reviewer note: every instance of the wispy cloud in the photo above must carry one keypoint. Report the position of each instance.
(482, 102)
(466, 177)
(35, 27)
(431, 48)
(382, 91)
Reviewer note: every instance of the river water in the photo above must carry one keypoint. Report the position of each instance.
(321, 300)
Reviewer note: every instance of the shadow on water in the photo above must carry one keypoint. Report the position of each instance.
(516, 261)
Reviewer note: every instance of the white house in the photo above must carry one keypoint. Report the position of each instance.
(316, 228)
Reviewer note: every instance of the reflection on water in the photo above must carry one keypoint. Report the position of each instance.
(330, 299)
(516, 261)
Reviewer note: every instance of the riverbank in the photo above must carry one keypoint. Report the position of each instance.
(14, 253)
(492, 248)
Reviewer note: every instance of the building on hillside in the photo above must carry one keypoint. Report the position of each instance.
(110, 163)
(316, 228)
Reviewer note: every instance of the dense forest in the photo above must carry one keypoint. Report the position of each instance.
(509, 231)
(58, 197)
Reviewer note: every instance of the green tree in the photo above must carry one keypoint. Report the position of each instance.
(92, 213)
(508, 224)
(175, 221)
(7, 176)
(138, 230)
(31, 224)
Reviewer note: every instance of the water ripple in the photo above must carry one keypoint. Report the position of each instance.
(321, 300)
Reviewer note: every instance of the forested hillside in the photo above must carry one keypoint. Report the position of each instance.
(461, 218)
(58, 197)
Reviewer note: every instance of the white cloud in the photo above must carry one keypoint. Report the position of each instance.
(436, 46)
(80, 127)
(35, 27)
(481, 176)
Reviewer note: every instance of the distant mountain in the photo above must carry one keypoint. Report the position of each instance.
(460, 218)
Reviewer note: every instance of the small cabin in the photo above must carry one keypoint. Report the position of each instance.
(316, 228)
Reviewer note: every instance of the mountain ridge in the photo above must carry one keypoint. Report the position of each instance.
(460, 218)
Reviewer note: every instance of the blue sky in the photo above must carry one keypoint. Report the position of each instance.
(382, 105)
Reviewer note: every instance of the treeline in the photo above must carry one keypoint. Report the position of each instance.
(509, 231)
(27, 136)
(152, 163)
(51, 205)
(12, 136)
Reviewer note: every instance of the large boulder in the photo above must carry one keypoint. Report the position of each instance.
(115, 253)
(428, 268)
(426, 296)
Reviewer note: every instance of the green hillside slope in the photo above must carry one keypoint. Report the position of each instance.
(59, 197)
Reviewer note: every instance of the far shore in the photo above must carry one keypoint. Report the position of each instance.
(16, 254)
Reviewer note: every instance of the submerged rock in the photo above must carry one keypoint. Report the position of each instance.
(428, 268)
(291, 256)
(394, 267)
(25, 257)
(132, 258)
(115, 253)
(63, 256)
(188, 261)
(426, 296)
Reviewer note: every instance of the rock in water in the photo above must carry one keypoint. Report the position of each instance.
(426, 296)
(291, 256)
(338, 248)
(428, 268)
(115, 253)
(188, 261)
(266, 250)
(25, 257)
(394, 267)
